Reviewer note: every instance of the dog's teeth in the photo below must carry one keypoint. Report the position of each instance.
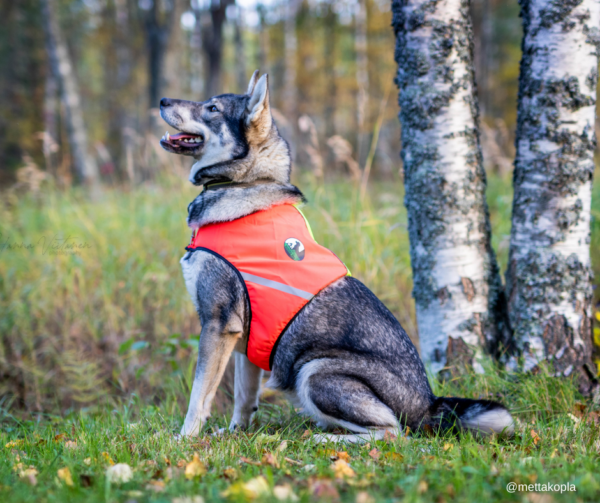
(168, 136)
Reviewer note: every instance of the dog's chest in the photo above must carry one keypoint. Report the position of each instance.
(193, 265)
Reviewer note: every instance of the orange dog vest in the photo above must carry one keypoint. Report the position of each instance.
(282, 266)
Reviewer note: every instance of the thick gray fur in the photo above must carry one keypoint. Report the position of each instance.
(344, 359)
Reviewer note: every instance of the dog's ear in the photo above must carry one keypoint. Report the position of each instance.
(252, 83)
(259, 111)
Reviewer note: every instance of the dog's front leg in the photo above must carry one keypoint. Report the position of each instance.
(247, 390)
(215, 348)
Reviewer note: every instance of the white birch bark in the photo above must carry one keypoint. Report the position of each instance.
(85, 165)
(457, 287)
(290, 91)
(549, 274)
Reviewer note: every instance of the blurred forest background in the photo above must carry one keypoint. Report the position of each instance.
(111, 317)
(330, 62)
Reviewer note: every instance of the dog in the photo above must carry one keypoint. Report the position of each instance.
(344, 358)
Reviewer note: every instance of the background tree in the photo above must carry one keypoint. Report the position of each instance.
(549, 274)
(84, 164)
(457, 286)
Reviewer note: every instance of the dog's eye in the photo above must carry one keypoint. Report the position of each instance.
(213, 108)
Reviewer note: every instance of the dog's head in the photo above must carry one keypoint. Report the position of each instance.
(232, 137)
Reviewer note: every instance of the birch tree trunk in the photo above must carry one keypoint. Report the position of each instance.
(457, 288)
(84, 164)
(290, 89)
(549, 274)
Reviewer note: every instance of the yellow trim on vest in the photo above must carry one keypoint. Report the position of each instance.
(313, 236)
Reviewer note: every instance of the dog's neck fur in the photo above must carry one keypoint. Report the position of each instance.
(236, 201)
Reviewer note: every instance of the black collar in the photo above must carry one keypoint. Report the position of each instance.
(219, 185)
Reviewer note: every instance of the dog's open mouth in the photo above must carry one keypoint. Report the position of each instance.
(183, 140)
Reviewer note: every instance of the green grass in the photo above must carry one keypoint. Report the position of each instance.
(96, 340)
(552, 445)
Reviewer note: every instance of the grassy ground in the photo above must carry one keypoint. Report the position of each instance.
(557, 442)
(100, 336)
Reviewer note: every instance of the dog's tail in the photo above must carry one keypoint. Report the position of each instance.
(482, 416)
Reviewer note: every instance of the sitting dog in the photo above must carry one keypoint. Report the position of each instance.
(264, 289)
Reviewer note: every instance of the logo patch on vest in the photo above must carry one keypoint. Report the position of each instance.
(294, 248)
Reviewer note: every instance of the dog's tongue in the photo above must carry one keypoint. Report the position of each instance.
(183, 136)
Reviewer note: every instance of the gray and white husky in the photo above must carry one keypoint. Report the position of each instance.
(344, 359)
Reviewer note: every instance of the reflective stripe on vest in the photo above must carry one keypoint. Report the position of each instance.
(282, 267)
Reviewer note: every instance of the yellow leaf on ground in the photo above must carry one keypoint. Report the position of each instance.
(61, 437)
(342, 469)
(284, 492)
(343, 455)
(195, 468)
(70, 444)
(252, 489)
(64, 474)
(230, 473)
(536, 438)
(107, 458)
(87, 461)
(282, 446)
(448, 447)
(29, 475)
(15, 443)
(394, 456)
(307, 433)
(422, 487)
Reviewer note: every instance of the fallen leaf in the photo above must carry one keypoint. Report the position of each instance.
(252, 489)
(15, 443)
(422, 487)
(394, 456)
(375, 454)
(149, 463)
(536, 438)
(308, 468)
(230, 473)
(343, 455)
(407, 431)
(195, 468)
(181, 463)
(188, 499)
(248, 461)
(284, 493)
(269, 459)
(156, 486)
(388, 436)
(119, 473)
(324, 489)
(282, 446)
(60, 437)
(87, 461)
(167, 461)
(342, 469)
(293, 462)
(428, 430)
(364, 497)
(28, 475)
(307, 433)
(448, 447)
(64, 474)
(107, 458)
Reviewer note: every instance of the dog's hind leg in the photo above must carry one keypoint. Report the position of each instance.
(247, 390)
(333, 399)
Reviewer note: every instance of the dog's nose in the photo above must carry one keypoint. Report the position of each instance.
(165, 102)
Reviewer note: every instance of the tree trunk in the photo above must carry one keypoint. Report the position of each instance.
(362, 76)
(157, 39)
(50, 145)
(329, 47)
(457, 287)
(240, 54)
(84, 164)
(212, 42)
(549, 273)
(290, 90)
